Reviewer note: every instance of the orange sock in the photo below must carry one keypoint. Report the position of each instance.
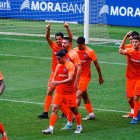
(70, 116)
(89, 108)
(136, 108)
(1, 128)
(78, 119)
(53, 119)
(64, 109)
(48, 102)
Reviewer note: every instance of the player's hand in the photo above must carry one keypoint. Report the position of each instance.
(48, 26)
(101, 80)
(66, 25)
(129, 33)
(55, 83)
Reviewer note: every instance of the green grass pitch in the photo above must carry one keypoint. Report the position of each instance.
(26, 66)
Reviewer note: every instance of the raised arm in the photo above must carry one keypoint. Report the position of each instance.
(101, 80)
(122, 46)
(48, 38)
(66, 25)
(123, 51)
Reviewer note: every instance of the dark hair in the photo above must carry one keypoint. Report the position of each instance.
(61, 53)
(68, 39)
(134, 33)
(59, 34)
(136, 37)
(80, 40)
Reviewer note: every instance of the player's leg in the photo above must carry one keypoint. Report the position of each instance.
(3, 133)
(136, 102)
(78, 120)
(47, 104)
(130, 97)
(71, 103)
(48, 99)
(58, 99)
(88, 107)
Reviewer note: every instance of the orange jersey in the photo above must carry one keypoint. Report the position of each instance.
(73, 57)
(55, 48)
(86, 56)
(128, 46)
(1, 77)
(62, 73)
(133, 66)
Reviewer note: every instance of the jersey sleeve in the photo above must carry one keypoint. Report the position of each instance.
(53, 45)
(76, 59)
(92, 54)
(70, 66)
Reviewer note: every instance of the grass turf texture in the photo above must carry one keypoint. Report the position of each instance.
(26, 66)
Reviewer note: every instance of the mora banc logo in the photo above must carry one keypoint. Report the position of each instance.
(5, 5)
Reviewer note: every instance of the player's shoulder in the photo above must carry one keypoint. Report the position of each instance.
(129, 50)
(72, 52)
(89, 50)
(69, 64)
(128, 45)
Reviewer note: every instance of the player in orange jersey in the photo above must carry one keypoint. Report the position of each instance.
(55, 46)
(65, 91)
(133, 74)
(130, 95)
(74, 58)
(86, 55)
(128, 36)
(2, 87)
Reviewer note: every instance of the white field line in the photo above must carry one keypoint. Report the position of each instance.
(37, 103)
(95, 40)
(48, 58)
(22, 56)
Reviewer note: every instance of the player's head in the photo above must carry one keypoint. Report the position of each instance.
(136, 42)
(59, 37)
(80, 42)
(66, 43)
(133, 33)
(61, 56)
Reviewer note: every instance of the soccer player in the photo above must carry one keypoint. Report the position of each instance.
(74, 58)
(86, 55)
(55, 46)
(133, 74)
(65, 91)
(2, 87)
(130, 95)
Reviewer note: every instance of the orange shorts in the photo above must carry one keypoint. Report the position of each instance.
(132, 87)
(83, 83)
(137, 88)
(68, 99)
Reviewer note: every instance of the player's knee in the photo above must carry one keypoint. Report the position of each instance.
(50, 91)
(55, 109)
(74, 110)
